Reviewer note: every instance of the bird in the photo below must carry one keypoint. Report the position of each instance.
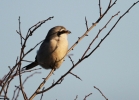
(53, 49)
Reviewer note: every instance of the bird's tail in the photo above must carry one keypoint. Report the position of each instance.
(33, 64)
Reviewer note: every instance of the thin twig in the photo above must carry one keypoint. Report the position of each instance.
(27, 61)
(71, 60)
(87, 96)
(101, 93)
(86, 23)
(34, 27)
(20, 34)
(75, 76)
(33, 48)
(24, 71)
(99, 8)
(42, 93)
(21, 85)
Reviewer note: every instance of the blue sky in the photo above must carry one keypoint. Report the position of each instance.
(113, 67)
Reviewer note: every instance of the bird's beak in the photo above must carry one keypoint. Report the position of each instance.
(68, 31)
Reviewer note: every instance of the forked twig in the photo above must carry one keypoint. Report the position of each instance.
(98, 34)
(94, 24)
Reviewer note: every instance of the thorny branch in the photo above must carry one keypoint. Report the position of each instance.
(109, 6)
(98, 34)
(94, 24)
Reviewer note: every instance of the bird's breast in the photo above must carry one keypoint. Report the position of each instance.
(52, 52)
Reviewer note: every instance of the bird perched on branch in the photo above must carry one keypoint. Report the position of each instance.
(53, 49)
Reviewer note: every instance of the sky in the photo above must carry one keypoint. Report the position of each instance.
(113, 67)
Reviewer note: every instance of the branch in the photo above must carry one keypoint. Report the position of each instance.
(21, 85)
(110, 30)
(80, 40)
(108, 8)
(98, 34)
(94, 24)
(19, 32)
(42, 84)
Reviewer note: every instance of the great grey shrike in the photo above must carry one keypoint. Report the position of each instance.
(53, 49)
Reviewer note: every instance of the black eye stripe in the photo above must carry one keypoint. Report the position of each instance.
(61, 32)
